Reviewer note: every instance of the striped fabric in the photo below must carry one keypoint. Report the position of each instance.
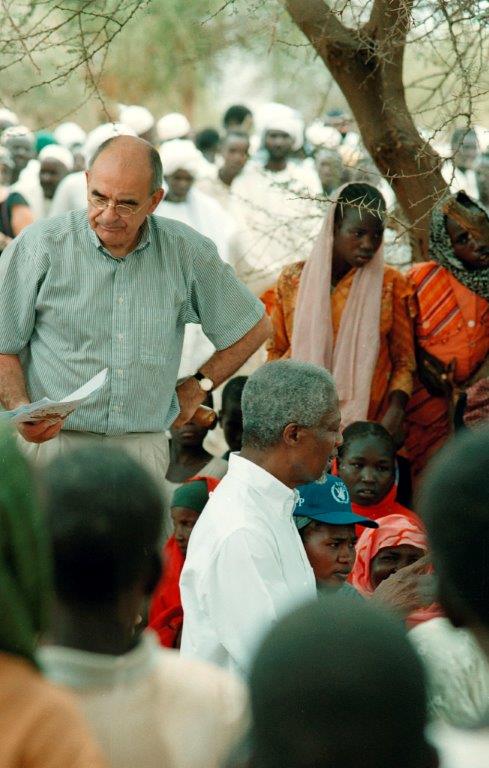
(69, 309)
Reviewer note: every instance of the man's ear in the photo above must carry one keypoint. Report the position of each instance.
(156, 199)
(292, 434)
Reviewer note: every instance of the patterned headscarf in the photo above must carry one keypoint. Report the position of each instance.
(441, 251)
(25, 567)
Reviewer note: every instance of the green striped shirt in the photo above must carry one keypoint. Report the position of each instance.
(69, 309)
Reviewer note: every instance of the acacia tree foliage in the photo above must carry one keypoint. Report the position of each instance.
(364, 48)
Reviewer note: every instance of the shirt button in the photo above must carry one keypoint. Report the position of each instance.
(121, 299)
(471, 323)
(120, 337)
(120, 372)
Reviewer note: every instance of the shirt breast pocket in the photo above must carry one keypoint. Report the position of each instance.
(157, 329)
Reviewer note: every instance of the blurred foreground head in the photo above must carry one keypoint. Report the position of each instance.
(104, 517)
(25, 565)
(336, 684)
(454, 504)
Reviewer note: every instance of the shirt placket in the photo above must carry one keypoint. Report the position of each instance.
(121, 345)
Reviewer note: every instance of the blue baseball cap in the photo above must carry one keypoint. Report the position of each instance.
(327, 502)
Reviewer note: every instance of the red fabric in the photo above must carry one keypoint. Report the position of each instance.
(387, 506)
(166, 612)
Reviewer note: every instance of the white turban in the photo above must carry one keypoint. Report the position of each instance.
(172, 126)
(56, 152)
(18, 131)
(323, 135)
(138, 118)
(182, 155)
(7, 116)
(100, 134)
(69, 134)
(280, 117)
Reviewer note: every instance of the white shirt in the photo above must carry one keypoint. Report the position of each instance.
(245, 567)
(150, 708)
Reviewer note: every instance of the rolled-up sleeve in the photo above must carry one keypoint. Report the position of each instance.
(224, 307)
(22, 269)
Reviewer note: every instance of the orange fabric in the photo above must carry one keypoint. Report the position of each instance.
(42, 726)
(451, 322)
(268, 299)
(396, 361)
(393, 531)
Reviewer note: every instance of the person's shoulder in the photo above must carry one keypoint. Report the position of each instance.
(424, 269)
(202, 682)
(58, 226)
(178, 233)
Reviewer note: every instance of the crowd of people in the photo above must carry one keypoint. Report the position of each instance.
(264, 542)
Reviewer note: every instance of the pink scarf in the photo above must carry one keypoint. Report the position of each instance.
(393, 531)
(353, 359)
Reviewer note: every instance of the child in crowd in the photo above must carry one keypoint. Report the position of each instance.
(188, 458)
(367, 464)
(326, 525)
(166, 613)
(231, 416)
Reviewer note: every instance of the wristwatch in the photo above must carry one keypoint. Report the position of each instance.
(206, 384)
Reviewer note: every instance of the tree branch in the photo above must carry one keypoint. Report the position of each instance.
(321, 27)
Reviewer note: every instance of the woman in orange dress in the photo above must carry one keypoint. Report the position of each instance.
(347, 311)
(451, 329)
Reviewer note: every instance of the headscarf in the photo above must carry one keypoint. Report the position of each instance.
(70, 135)
(60, 154)
(16, 131)
(138, 118)
(25, 565)
(194, 494)
(280, 117)
(393, 531)
(182, 154)
(353, 358)
(44, 139)
(441, 251)
(172, 126)
(100, 134)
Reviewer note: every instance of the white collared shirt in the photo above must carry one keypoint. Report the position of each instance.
(245, 567)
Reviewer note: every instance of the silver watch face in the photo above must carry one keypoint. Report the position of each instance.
(206, 384)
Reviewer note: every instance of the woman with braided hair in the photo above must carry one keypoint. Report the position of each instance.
(451, 329)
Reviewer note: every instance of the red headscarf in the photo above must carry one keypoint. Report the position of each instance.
(166, 613)
(393, 531)
(386, 506)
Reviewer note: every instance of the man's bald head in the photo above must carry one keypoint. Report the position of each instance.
(135, 152)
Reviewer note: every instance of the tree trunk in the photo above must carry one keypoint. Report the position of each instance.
(367, 65)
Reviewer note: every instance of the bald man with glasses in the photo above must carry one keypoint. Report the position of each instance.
(113, 287)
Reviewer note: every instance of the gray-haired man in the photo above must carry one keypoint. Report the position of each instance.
(246, 564)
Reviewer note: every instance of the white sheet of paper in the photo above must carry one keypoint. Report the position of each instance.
(50, 409)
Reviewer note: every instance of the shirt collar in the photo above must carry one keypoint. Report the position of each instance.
(143, 242)
(278, 495)
(82, 670)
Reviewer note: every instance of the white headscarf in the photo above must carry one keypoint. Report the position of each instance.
(280, 117)
(7, 116)
(18, 130)
(100, 134)
(172, 126)
(182, 154)
(55, 152)
(69, 135)
(138, 118)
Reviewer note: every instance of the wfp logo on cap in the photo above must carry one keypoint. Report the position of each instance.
(300, 501)
(340, 494)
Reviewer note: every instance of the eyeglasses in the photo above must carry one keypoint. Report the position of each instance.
(122, 210)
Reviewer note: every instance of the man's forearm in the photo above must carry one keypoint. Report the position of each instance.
(224, 363)
(13, 391)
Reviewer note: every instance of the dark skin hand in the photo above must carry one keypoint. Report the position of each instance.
(408, 590)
